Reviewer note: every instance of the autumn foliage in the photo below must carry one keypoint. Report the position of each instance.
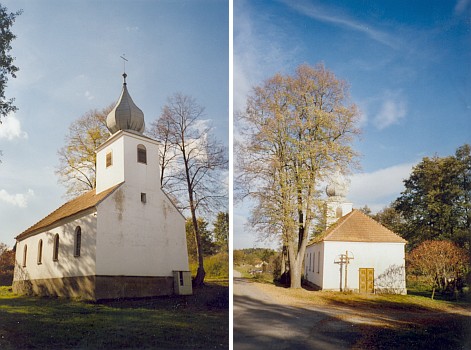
(7, 265)
(441, 264)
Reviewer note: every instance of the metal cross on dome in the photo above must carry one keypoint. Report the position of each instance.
(124, 68)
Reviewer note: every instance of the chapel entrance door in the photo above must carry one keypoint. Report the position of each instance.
(367, 280)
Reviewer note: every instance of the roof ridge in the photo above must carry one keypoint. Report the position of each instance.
(331, 229)
(59, 208)
(378, 223)
(354, 227)
(337, 224)
(67, 209)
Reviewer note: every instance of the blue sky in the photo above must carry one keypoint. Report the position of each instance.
(69, 53)
(409, 68)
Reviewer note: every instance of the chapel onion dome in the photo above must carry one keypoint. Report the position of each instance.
(334, 190)
(338, 187)
(125, 115)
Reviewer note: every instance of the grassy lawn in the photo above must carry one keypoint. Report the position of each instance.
(199, 321)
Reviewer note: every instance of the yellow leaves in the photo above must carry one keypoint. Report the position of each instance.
(296, 129)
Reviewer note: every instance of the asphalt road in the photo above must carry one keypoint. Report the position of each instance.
(262, 323)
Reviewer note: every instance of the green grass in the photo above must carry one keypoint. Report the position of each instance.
(199, 321)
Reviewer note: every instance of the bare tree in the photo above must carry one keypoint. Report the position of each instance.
(192, 163)
(295, 131)
(77, 158)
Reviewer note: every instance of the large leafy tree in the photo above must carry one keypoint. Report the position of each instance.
(77, 158)
(193, 163)
(463, 155)
(391, 218)
(435, 204)
(7, 68)
(296, 130)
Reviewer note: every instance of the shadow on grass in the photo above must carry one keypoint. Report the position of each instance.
(181, 322)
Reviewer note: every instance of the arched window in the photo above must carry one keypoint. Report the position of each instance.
(55, 252)
(40, 252)
(25, 252)
(78, 241)
(141, 154)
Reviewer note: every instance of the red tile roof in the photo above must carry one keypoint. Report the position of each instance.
(358, 227)
(75, 206)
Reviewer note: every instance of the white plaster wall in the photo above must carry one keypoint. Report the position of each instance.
(125, 167)
(114, 174)
(335, 210)
(137, 239)
(145, 177)
(67, 264)
(314, 272)
(379, 256)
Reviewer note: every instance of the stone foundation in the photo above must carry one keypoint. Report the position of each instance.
(97, 287)
(116, 287)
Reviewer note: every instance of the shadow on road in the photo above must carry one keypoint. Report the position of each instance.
(367, 323)
(262, 324)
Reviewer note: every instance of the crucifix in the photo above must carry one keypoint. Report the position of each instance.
(343, 259)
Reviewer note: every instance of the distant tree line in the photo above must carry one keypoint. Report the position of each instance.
(251, 256)
(214, 245)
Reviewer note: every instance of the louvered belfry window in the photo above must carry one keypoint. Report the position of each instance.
(141, 154)
(109, 159)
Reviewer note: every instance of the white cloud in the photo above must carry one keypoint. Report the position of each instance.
(461, 6)
(378, 188)
(11, 128)
(257, 56)
(244, 237)
(18, 199)
(393, 109)
(334, 16)
(88, 95)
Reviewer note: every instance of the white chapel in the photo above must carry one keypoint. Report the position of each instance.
(124, 239)
(355, 252)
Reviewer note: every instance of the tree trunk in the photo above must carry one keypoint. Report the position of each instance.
(199, 278)
(295, 264)
(295, 273)
(284, 260)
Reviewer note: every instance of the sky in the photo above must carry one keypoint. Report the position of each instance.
(408, 64)
(69, 53)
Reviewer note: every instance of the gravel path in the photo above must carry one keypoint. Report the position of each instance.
(262, 323)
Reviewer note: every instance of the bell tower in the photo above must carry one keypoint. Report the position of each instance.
(127, 156)
(336, 204)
